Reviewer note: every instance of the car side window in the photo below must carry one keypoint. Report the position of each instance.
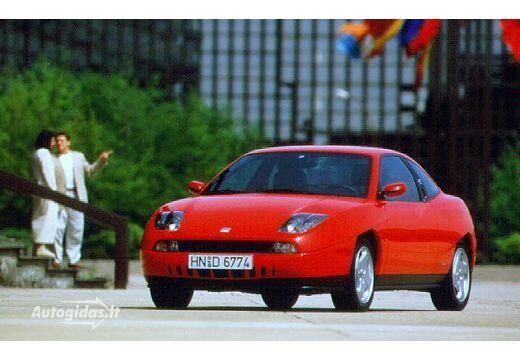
(430, 187)
(393, 170)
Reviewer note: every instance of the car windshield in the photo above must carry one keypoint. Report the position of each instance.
(295, 172)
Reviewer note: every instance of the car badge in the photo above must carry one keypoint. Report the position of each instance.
(225, 229)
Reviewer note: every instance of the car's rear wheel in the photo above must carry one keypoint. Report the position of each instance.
(359, 290)
(454, 292)
(170, 296)
(278, 299)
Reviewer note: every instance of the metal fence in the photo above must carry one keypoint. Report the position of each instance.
(474, 109)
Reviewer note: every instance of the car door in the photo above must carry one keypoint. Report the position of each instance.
(444, 238)
(408, 234)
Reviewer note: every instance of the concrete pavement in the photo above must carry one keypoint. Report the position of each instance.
(493, 313)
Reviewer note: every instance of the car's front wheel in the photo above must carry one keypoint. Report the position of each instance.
(453, 294)
(279, 299)
(170, 296)
(359, 290)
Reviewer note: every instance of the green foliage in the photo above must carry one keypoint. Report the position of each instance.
(18, 235)
(102, 244)
(99, 245)
(159, 145)
(136, 233)
(505, 205)
(508, 249)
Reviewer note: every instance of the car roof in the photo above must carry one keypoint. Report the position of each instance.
(359, 150)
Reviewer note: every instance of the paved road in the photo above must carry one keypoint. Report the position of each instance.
(492, 314)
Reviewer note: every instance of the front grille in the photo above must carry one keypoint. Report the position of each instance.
(206, 273)
(227, 274)
(225, 246)
(221, 274)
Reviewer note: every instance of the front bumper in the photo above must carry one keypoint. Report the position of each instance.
(320, 271)
(301, 285)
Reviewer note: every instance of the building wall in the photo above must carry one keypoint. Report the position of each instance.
(160, 50)
(247, 65)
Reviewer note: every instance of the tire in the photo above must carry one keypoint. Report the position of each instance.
(280, 299)
(170, 296)
(349, 299)
(453, 295)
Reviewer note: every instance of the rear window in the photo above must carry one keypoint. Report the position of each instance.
(430, 187)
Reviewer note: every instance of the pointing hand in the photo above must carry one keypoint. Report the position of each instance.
(104, 155)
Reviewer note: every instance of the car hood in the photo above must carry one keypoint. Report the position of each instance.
(251, 216)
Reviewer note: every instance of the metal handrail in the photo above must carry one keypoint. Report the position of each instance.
(105, 218)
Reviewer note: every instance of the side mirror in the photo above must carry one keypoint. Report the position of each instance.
(393, 189)
(196, 187)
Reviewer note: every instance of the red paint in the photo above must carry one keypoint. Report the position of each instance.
(196, 187)
(395, 189)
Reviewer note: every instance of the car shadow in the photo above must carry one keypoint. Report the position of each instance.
(258, 308)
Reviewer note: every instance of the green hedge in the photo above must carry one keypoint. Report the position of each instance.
(505, 206)
(159, 144)
(507, 249)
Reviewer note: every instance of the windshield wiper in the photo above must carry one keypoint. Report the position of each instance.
(226, 191)
(292, 191)
(281, 191)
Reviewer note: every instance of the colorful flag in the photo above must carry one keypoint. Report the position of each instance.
(351, 35)
(416, 36)
(381, 31)
(421, 64)
(409, 31)
(511, 36)
(428, 31)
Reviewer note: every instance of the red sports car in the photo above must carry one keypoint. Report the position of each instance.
(287, 221)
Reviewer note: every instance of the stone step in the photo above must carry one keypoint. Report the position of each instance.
(31, 272)
(59, 278)
(9, 245)
(34, 260)
(8, 261)
(12, 249)
(8, 269)
(62, 272)
(20, 270)
(92, 283)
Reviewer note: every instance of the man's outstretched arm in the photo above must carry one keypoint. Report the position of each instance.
(101, 162)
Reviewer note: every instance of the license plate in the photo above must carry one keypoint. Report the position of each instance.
(220, 262)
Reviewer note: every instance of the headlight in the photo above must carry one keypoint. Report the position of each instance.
(302, 222)
(169, 220)
(284, 248)
(166, 245)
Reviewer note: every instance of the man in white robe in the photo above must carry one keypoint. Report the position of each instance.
(46, 172)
